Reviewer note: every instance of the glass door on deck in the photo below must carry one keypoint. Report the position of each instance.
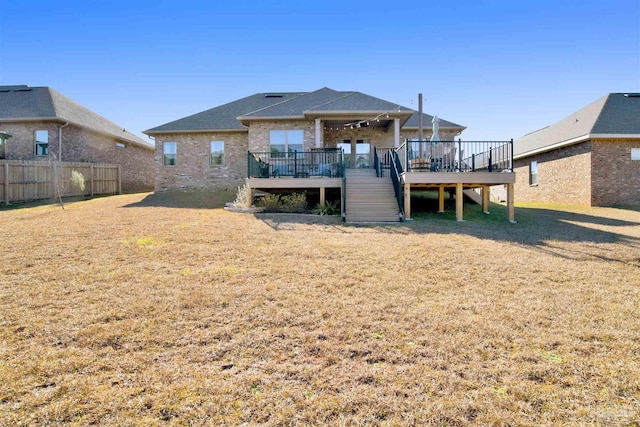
(346, 150)
(363, 153)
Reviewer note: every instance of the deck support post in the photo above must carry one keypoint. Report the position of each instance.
(485, 198)
(441, 199)
(322, 196)
(407, 201)
(459, 202)
(249, 197)
(510, 204)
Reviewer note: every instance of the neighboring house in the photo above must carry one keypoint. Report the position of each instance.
(591, 157)
(44, 125)
(325, 134)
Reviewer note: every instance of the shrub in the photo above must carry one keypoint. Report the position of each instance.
(270, 202)
(242, 197)
(329, 208)
(77, 180)
(294, 203)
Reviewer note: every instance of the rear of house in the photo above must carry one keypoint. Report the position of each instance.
(323, 142)
(589, 158)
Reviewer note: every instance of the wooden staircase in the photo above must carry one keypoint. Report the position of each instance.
(369, 198)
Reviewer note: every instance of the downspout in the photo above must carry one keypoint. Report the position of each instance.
(60, 140)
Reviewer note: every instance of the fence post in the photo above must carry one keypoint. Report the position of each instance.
(119, 179)
(92, 172)
(6, 183)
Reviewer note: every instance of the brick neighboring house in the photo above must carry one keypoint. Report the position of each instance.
(591, 157)
(208, 150)
(44, 123)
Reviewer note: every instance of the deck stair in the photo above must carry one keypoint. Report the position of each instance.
(369, 198)
(473, 196)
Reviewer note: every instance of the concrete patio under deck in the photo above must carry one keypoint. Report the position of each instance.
(459, 181)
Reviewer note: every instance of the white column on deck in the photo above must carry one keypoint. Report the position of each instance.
(318, 133)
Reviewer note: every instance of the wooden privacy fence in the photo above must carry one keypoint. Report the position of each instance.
(22, 180)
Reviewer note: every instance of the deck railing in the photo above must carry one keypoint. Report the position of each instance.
(456, 156)
(382, 161)
(296, 164)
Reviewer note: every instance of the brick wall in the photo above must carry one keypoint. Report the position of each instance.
(193, 170)
(82, 145)
(21, 145)
(615, 177)
(564, 176)
(259, 133)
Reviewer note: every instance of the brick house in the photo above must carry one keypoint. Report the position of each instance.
(360, 149)
(45, 124)
(591, 157)
(208, 150)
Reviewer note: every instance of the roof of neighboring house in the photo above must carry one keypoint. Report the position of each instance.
(24, 103)
(291, 105)
(613, 115)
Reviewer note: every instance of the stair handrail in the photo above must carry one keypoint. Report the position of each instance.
(396, 172)
(376, 162)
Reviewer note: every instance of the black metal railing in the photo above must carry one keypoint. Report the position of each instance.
(382, 161)
(456, 156)
(297, 164)
(396, 172)
(376, 161)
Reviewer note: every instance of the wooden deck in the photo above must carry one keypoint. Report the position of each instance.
(460, 181)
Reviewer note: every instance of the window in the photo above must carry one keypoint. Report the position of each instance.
(283, 142)
(169, 150)
(635, 154)
(533, 173)
(216, 153)
(3, 144)
(42, 142)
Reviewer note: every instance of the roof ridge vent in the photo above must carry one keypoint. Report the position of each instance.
(14, 88)
(273, 95)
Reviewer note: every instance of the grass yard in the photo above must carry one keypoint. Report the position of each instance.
(168, 310)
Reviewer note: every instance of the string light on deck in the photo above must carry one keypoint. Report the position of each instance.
(366, 122)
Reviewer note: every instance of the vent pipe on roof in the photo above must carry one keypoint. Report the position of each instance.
(420, 116)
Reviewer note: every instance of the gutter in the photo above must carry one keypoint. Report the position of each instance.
(576, 140)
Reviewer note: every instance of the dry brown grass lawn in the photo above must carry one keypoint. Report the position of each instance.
(167, 310)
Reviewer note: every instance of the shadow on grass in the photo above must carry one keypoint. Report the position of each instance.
(186, 200)
(539, 227)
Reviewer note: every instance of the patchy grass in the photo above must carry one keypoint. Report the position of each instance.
(167, 310)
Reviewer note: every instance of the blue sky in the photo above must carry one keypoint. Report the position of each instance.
(501, 68)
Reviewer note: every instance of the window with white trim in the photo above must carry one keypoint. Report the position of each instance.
(635, 154)
(42, 142)
(533, 173)
(216, 153)
(285, 142)
(169, 153)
